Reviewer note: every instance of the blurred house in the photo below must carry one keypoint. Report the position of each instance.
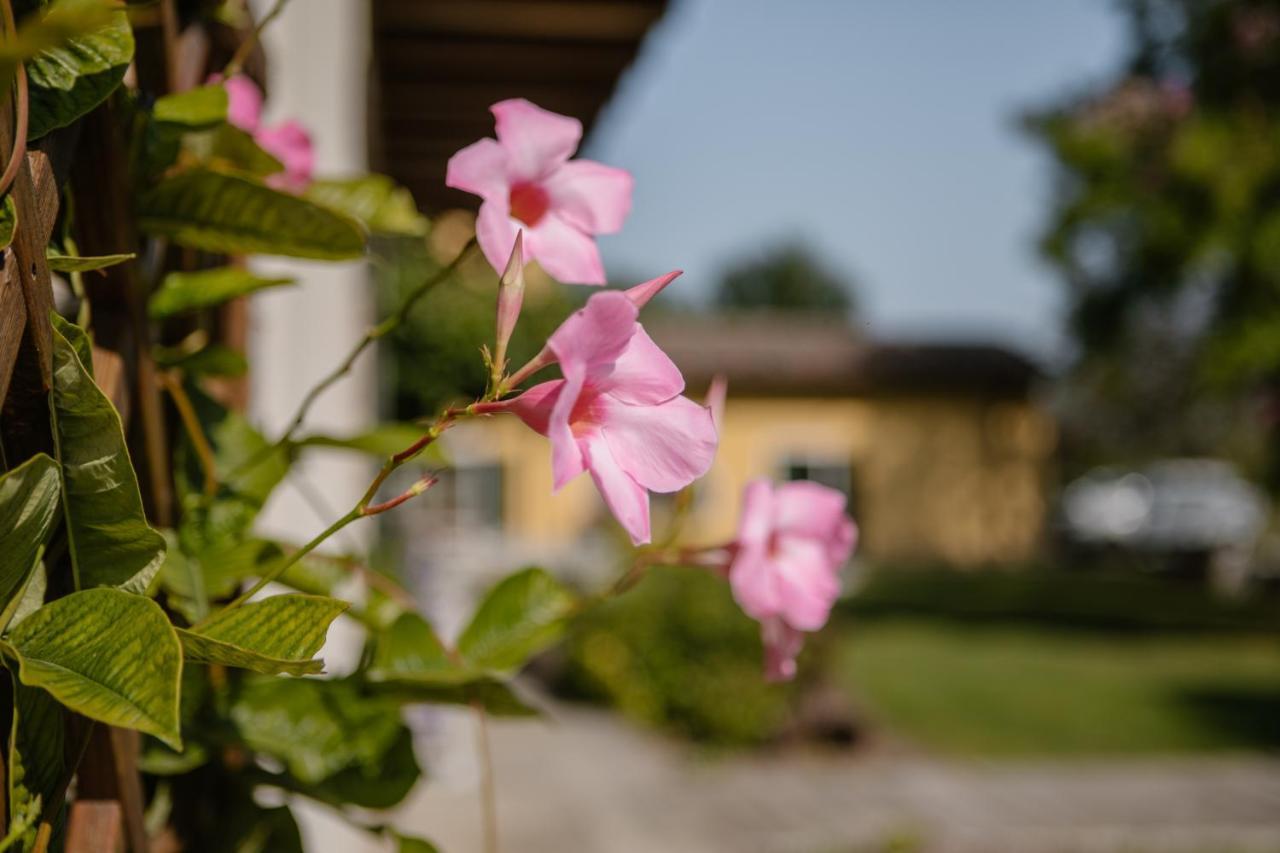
(941, 448)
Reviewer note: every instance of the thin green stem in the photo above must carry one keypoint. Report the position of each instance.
(381, 330)
(246, 47)
(280, 568)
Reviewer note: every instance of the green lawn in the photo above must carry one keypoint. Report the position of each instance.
(1012, 687)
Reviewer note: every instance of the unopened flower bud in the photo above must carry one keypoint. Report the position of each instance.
(510, 298)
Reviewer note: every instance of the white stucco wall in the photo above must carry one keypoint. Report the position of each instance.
(318, 59)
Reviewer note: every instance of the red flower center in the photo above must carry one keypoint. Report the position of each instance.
(529, 203)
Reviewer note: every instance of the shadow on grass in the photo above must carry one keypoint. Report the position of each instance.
(1246, 717)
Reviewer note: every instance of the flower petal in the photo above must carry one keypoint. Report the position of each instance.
(782, 644)
(809, 509)
(564, 251)
(567, 458)
(665, 447)
(537, 140)
(626, 499)
(480, 168)
(244, 102)
(289, 143)
(643, 373)
(496, 232)
(591, 196)
(756, 523)
(595, 336)
(754, 582)
(535, 405)
(806, 581)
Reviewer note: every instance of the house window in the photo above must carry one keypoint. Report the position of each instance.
(468, 496)
(836, 475)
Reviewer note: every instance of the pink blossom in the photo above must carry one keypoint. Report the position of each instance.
(288, 141)
(792, 541)
(527, 180)
(618, 412)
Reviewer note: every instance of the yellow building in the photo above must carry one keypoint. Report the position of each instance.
(941, 448)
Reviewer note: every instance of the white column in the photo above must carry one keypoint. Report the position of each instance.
(318, 52)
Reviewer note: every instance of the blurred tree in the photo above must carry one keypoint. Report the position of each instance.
(1166, 227)
(789, 278)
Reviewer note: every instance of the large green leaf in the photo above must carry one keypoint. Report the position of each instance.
(107, 654)
(519, 617)
(336, 576)
(110, 542)
(35, 758)
(29, 497)
(200, 107)
(210, 360)
(410, 652)
(68, 80)
(193, 291)
(379, 783)
(316, 728)
(234, 214)
(279, 634)
(375, 200)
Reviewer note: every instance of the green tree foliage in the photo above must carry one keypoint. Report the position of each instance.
(788, 278)
(1166, 229)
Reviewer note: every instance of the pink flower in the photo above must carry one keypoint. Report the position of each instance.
(617, 412)
(288, 141)
(792, 541)
(527, 181)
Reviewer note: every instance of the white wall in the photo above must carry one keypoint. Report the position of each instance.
(318, 54)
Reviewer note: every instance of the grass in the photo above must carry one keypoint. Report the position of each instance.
(1005, 670)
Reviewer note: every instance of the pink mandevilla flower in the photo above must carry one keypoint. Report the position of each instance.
(618, 412)
(527, 181)
(792, 541)
(288, 141)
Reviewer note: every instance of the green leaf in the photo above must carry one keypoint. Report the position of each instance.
(375, 200)
(211, 360)
(409, 651)
(69, 80)
(29, 497)
(35, 756)
(110, 542)
(279, 634)
(79, 340)
(200, 107)
(333, 576)
(385, 439)
(8, 221)
(519, 617)
(316, 728)
(409, 844)
(236, 215)
(29, 600)
(107, 654)
(379, 783)
(230, 147)
(73, 263)
(495, 697)
(193, 291)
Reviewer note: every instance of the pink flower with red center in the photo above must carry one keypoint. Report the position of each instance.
(527, 181)
(287, 141)
(792, 541)
(618, 412)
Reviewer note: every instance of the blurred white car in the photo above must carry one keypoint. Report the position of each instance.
(1176, 505)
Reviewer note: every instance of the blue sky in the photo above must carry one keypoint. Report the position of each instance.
(881, 132)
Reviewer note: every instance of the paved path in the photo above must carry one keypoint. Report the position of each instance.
(585, 782)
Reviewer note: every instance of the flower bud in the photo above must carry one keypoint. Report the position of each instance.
(510, 298)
